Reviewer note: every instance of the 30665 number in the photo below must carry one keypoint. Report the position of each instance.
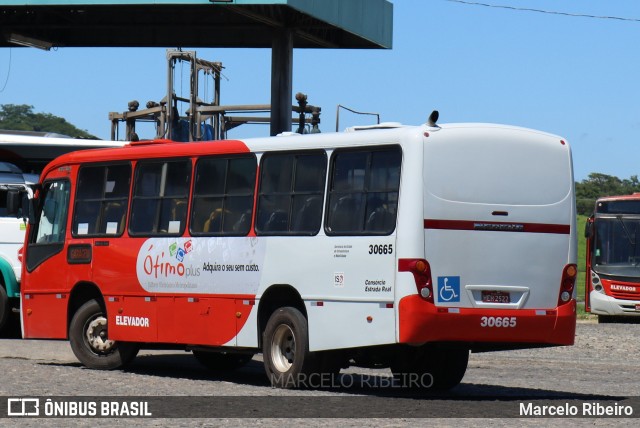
(498, 322)
(381, 249)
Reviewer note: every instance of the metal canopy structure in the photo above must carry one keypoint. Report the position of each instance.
(281, 25)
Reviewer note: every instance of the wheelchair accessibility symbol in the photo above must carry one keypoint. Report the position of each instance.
(449, 288)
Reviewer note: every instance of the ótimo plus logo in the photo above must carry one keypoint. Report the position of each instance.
(159, 263)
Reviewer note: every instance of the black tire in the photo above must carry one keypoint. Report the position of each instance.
(222, 361)
(5, 309)
(330, 362)
(606, 319)
(430, 367)
(90, 343)
(285, 349)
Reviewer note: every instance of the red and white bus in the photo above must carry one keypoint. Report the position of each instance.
(613, 258)
(397, 246)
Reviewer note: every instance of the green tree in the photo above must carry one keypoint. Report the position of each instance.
(598, 185)
(22, 118)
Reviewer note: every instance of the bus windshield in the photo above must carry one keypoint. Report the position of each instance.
(617, 246)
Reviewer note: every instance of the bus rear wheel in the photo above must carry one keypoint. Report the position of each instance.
(285, 349)
(431, 367)
(90, 342)
(221, 361)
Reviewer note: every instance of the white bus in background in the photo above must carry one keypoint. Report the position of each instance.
(11, 239)
(32, 151)
(385, 246)
(23, 155)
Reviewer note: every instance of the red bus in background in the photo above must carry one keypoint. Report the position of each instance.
(612, 286)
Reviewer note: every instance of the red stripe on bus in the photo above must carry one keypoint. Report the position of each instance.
(563, 229)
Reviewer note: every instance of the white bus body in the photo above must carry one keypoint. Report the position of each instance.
(489, 207)
(476, 251)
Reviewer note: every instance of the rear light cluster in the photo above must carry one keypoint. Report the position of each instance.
(568, 283)
(422, 275)
(20, 252)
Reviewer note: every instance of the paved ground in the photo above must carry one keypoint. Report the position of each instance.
(602, 368)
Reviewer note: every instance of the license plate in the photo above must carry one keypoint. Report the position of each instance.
(496, 297)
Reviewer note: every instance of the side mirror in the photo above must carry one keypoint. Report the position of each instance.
(14, 203)
(27, 209)
(588, 228)
(19, 204)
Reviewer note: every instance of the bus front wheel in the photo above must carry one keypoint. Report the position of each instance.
(285, 349)
(90, 342)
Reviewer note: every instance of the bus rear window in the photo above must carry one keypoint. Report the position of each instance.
(498, 170)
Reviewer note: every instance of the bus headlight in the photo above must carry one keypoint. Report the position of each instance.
(596, 283)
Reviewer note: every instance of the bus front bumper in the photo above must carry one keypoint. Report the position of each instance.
(422, 322)
(601, 304)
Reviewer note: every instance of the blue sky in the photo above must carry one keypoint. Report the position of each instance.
(576, 77)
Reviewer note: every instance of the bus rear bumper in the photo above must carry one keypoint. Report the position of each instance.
(601, 304)
(422, 322)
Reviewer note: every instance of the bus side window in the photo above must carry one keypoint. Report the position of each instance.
(89, 192)
(363, 194)
(114, 217)
(53, 218)
(344, 213)
(309, 185)
(382, 195)
(309, 216)
(223, 195)
(291, 193)
(160, 195)
(102, 197)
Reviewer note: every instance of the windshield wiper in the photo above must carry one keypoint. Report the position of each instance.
(626, 231)
(628, 235)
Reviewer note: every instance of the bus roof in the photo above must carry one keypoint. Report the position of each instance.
(165, 148)
(11, 174)
(7, 167)
(354, 137)
(32, 153)
(13, 140)
(620, 197)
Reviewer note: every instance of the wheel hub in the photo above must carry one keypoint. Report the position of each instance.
(97, 335)
(283, 345)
